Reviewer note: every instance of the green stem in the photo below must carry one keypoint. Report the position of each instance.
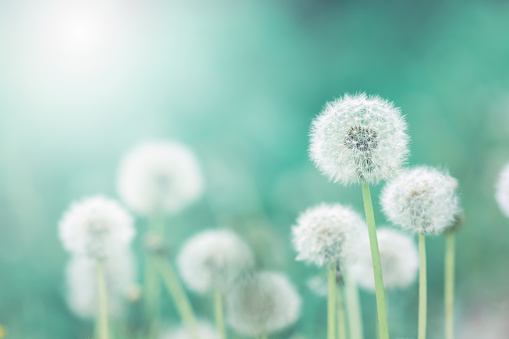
(383, 329)
(353, 307)
(340, 313)
(264, 336)
(422, 288)
(450, 240)
(178, 294)
(103, 330)
(331, 303)
(218, 311)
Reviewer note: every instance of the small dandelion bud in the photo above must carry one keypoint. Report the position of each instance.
(422, 200)
(325, 234)
(502, 190)
(96, 227)
(359, 138)
(160, 176)
(399, 258)
(204, 331)
(155, 244)
(82, 297)
(262, 304)
(214, 258)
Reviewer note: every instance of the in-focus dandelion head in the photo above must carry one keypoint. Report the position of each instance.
(264, 303)
(358, 138)
(204, 331)
(502, 190)
(398, 255)
(422, 199)
(96, 227)
(214, 258)
(160, 176)
(325, 234)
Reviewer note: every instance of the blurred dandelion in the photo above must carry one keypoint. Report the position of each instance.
(502, 190)
(204, 330)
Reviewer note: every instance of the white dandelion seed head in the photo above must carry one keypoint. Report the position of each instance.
(96, 227)
(422, 199)
(81, 294)
(502, 190)
(398, 255)
(160, 176)
(325, 234)
(264, 303)
(204, 331)
(214, 258)
(357, 138)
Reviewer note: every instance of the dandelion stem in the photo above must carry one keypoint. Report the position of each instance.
(177, 293)
(422, 288)
(341, 313)
(353, 307)
(331, 303)
(450, 240)
(264, 336)
(218, 310)
(102, 320)
(377, 267)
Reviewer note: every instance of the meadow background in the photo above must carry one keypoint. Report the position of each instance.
(81, 82)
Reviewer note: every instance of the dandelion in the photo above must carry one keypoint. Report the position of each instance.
(502, 190)
(214, 260)
(426, 201)
(361, 139)
(204, 330)
(160, 177)
(399, 258)
(325, 235)
(264, 303)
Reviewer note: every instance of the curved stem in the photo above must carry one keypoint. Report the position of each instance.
(331, 303)
(422, 288)
(218, 312)
(103, 330)
(353, 307)
(383, 328)
(340, 313)
(450, 239)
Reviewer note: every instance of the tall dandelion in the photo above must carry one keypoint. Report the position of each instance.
(425, 201)
(263, 303)
(325, 236)
(96, 228)
(212, 261)
(361, 139)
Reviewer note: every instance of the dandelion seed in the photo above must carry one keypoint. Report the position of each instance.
(214, 258)
(359, 138)
(262, 304)
(160, 176)
(96, 227)
(502, 190)
(204, 331)
(399, 258)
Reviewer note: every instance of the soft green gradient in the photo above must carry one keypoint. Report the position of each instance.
(240, 82)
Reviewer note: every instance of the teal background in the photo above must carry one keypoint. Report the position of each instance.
(240, 81)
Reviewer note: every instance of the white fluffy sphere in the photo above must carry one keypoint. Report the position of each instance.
(262, 304)
(422, 199)
(399, 258)
(357, 138)
(214, 257)
(204, 330)
(96, 227)
(160, 176)
(502, 190)
(325, 234)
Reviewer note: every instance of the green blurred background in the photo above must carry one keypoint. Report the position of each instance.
(81, 82)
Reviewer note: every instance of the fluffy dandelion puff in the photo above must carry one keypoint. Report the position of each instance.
(96, 227)
(82, 297)
(214, 258)
(160, 176)
(399, 258)
(204, 331)
(357, 138)
(422, 199)
(502, 189)
(325, 233)
(264, 303)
